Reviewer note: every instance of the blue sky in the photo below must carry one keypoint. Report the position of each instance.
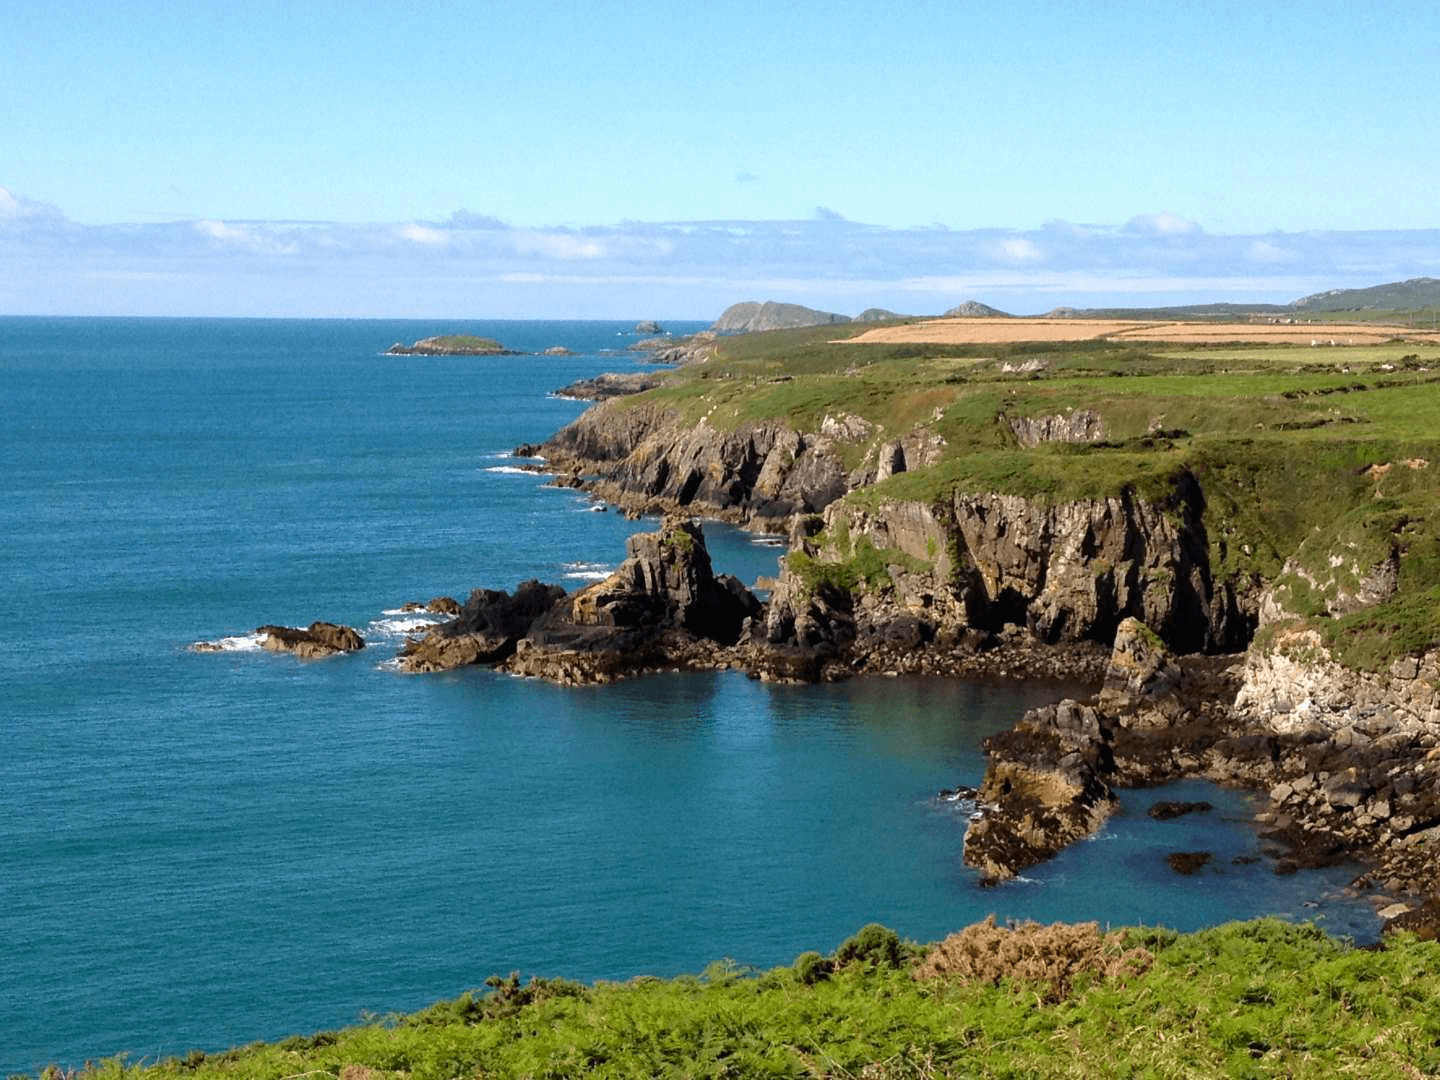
(570, 159)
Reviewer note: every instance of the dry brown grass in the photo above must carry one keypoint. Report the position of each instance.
(1002, 331)
(1054, 957)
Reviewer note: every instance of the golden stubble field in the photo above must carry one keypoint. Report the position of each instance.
(983, 331)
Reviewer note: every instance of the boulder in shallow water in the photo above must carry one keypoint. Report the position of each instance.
(317, 640)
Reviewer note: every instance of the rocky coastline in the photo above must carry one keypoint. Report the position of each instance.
(1117, 593)
(1198, 672)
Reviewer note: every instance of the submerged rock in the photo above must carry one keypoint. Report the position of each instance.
(1188, 862)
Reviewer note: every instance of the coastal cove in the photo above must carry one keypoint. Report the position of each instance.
(204, 850)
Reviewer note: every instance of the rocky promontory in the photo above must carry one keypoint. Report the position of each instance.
(663, 607)
(609, 385)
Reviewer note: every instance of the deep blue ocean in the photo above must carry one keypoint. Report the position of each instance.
(202, 850)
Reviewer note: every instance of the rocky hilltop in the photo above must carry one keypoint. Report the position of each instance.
(971, 309)
(751, 315)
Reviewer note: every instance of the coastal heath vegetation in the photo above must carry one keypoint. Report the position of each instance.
(1256, 999)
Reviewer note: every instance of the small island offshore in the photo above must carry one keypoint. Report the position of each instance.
(1225, 520)
(450, 345)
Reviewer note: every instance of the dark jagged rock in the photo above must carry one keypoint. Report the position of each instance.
(485, 631)
(655, 610)
(319, 639)
(609, 385)
(648, 326)
(642, 459)
(439, 605)
(664, 606)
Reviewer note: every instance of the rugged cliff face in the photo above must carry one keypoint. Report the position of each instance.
(909, 578)
(1065, 571)
(641, 458)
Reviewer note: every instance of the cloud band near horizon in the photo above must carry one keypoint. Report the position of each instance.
(472, 265)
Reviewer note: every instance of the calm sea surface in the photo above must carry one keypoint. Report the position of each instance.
(200, 850)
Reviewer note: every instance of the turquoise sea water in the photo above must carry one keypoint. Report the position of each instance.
(200, 850)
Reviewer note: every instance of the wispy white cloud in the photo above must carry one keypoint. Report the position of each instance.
(1162, 224)
(557, 245)
(16, 208)
(1017, 249)
(1269, 251)
(262, 238)
(424, 235)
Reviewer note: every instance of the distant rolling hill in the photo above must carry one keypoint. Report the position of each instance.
(1411, 295)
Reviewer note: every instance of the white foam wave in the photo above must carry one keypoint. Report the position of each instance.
(588, 571)
(768, 541)
(237, 643)
(398, 624)
(510, 470)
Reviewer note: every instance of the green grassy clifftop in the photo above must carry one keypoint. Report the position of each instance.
(1247, 999)
(1308, 458)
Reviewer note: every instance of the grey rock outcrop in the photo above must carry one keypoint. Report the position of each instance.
(972, 309)
(694, 349)
(1080, 426)
(644, 461)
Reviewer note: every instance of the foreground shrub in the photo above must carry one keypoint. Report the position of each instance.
(874, 946)
(1056, 957)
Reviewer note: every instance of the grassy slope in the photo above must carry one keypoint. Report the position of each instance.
(1247, 999)
(1281, 437)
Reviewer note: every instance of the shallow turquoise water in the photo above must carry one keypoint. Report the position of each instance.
(203, 850)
